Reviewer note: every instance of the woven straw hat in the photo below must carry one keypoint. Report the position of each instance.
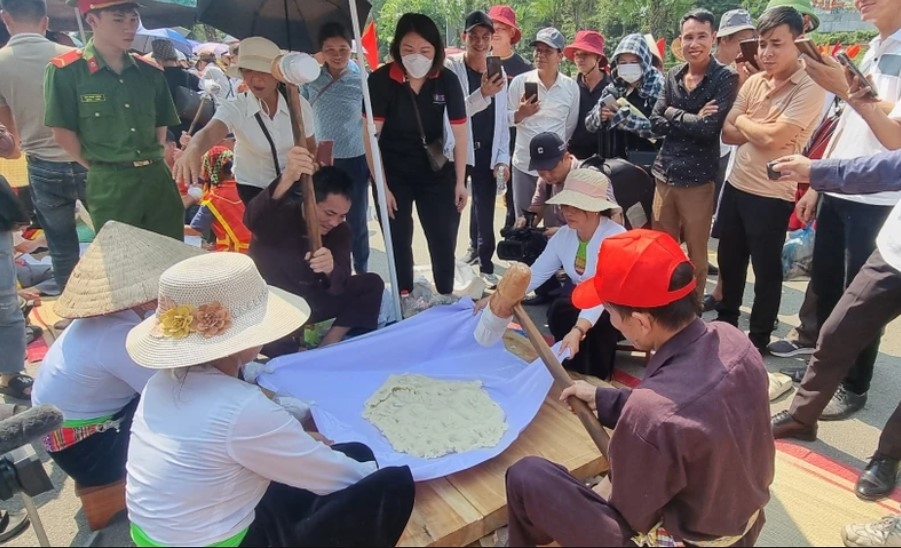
(120, 270)
(585, 189)
(211, 307)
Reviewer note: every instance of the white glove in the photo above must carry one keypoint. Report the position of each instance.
(298, 409)
(211, 87)
(252, 370)
(195, 192)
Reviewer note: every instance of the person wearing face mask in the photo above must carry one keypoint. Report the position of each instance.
(587, 52)
(420, 115)
(636, 80)
(260, 121)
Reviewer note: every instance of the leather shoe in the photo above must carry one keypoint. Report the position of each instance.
(795, 373)
(785, 426)
(878, 479)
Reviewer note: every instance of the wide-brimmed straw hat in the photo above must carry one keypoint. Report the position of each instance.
(585, 189)
(120, 270)
(257, 53)
(211, 307)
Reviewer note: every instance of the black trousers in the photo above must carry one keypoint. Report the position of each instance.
(372, 512)
(99, 459)
(439, 218)
(752, 228)
(597, 352)
(846, 238)
(481, 221)
(248, 193)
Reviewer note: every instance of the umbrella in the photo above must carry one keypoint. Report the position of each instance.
(145, 37)
(210, 47)
(292, 24)
(154, 14)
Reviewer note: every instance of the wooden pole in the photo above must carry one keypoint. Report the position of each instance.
(589, 420)
(306, 181)
(196, 119)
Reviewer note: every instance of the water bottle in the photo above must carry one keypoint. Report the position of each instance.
(501, 179)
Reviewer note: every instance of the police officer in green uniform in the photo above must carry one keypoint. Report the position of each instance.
(109, 109)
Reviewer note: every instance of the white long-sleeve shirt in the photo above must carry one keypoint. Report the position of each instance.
(204, 450)
(561, 252)
(559, 113)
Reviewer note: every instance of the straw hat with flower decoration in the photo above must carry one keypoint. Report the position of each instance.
(211, 307)
(120, 270)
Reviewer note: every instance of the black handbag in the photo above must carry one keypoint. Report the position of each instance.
(12, 214)
(187, 104)
(434, 151)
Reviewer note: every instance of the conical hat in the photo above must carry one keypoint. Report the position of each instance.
(120, 270)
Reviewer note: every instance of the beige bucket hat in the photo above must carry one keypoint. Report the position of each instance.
(210, 307)
(256, 53)
(120, 270)
(585, 189)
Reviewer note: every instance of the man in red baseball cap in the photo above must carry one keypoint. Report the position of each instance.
(693, 455)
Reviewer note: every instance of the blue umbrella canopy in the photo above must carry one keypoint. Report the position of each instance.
(145, 37)
(154, 14)
(292, 24)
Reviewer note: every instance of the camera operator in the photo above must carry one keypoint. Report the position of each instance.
(587, 210)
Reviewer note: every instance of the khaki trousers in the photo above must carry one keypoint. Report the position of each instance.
(685, 213)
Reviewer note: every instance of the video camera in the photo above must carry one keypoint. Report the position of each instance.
(522, 244)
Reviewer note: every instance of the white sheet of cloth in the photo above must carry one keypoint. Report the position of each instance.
(439, 343)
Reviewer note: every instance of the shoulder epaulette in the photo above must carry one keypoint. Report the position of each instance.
(66, 59)
(150, 62)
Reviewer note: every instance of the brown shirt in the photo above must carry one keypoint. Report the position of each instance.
(279, 244)
(693, 444)
(797, 101)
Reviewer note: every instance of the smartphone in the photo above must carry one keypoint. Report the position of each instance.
(494, 66)
(771, 173)
(807, 47)
(531, 90)
(749, 51)
(324, 153)
(843, 58)
(610, 103)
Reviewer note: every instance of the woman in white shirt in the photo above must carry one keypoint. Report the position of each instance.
(212, 461)
(587, 334)
(87, 374)
(260, 121)
(214, 79)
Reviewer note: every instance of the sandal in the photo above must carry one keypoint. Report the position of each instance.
(18, 386)
(11, 527)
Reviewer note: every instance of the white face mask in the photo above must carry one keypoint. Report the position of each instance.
(418, 66)
(631, 72)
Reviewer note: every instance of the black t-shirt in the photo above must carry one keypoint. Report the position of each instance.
(516, 65)
(584, 143)
(482, 122)
(392, 103)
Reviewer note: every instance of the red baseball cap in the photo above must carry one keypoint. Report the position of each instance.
(505, 14)
(634, 269)
(591, 41)
(85, 6)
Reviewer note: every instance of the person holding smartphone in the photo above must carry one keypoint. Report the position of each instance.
(541, 100)
(774, 115)
(488, 157)
(635, 79)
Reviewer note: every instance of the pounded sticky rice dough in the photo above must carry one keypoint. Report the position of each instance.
(429, 418)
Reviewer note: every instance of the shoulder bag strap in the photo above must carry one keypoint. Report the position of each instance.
(323, 90)
(278, 171)
(416, 112)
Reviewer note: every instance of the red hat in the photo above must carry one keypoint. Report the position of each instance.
(84, 6)
(505, 14)
(591, 41)
(634, 269)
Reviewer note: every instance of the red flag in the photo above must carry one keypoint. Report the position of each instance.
(370, 43)
(661, 47)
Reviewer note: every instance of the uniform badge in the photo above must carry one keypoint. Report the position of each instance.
(93, 98)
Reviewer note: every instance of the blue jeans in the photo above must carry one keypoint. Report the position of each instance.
(359, 207)
(12, 323)
(54, 188)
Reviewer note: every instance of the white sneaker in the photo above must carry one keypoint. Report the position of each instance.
(885, 532)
